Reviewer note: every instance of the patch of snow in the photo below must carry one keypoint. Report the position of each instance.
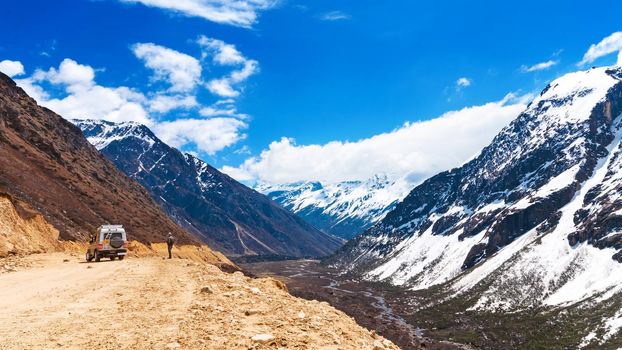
(587, 340)
(612, 325)
(558, 182)
(498, 204)
(425, 260)
(580, 91)
(109, 132)
(477, 274)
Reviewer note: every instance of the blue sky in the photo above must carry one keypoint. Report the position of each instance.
(335, 78)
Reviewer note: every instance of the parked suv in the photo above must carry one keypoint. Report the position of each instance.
(110, 241)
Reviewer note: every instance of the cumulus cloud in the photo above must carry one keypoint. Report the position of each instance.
(84, 98)
(222, 125)
(539, 66)
(609, 45)
(335, 16)
(11, 68)
(224, 54)
(417, 150)
(241, 13)
(181, 71)
(209, 135)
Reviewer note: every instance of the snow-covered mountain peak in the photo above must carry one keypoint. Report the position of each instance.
(571, 97)
(344, 208)
(101, 133)
(538, 210)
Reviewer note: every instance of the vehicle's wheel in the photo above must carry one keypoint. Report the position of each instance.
(121, 257)
(88, 257)
(97, 257)
(112, 258)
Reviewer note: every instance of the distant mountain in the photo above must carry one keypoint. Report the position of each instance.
(215, 208)
(48, 167)
(534, 220)
(343, 209)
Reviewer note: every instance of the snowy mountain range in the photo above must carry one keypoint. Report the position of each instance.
(215, 208)
(343, 209)
(535, 220)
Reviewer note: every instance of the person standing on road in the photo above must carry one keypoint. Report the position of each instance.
(169, 243)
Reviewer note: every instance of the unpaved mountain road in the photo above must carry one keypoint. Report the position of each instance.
(75, 305)
(57, 301)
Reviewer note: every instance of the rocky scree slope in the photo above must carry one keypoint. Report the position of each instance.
(47, 167)
(215, 208)
(535, 219)
(343, 209)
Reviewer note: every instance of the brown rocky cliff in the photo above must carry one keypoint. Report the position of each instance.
(46, 163)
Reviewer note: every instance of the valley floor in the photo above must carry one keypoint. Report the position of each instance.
(427, 319)
(58, 301)
(370, 304)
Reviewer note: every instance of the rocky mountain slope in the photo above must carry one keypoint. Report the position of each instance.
(215, 208)
(343, 209)
(49, 168)
(534, 221)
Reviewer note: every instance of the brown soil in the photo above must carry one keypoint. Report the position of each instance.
(57, 301)
(24, 236)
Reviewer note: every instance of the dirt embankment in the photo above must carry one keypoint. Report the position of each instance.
(24, 234)
(57, 301)
(24, 231)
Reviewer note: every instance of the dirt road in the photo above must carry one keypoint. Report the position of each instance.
(60, 302)
(75, 305)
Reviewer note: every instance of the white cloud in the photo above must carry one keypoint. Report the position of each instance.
(238, 173)
(32, 89)
(84, 98)
(222, 87)
(418, 149)
(463, 82)
(181, 71)
(11, 68)
(165, 103)
(241, 13)
(98, 102)
(220, 109)
(609, 45)
(70, 73)
(224, 54)
(539, 66)
(209, 135)
(335, 16)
